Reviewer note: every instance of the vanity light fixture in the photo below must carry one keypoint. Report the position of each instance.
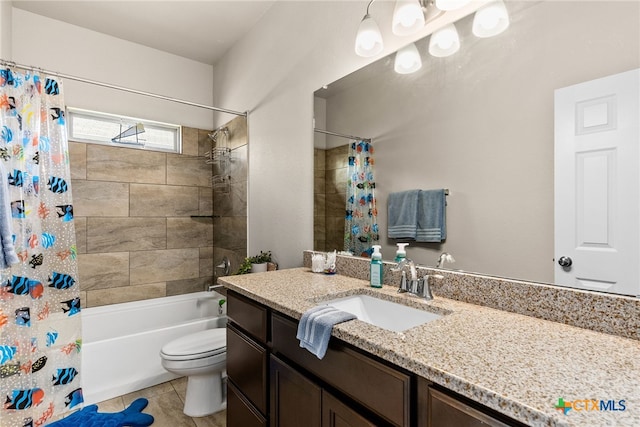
(408, 17)
(444, 42)
(490, 20)
(407, 60)
(368, 39)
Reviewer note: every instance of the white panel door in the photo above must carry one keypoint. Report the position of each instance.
(597, 184)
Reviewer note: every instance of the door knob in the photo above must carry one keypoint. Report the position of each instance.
(565, 261)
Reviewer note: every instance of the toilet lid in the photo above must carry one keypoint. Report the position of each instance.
(198, 344)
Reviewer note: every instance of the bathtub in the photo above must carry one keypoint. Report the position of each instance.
(121, 342)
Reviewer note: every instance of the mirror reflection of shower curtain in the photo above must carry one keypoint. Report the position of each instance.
(361, 224)
(40, 326)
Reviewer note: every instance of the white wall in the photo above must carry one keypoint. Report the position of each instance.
(5, 29)
(296, 48)
(64, 48)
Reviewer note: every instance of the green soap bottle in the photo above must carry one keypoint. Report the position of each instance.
(375, 273)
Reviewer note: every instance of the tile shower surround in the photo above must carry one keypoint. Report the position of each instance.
(135, 235)
(330, 183)
(607, 313)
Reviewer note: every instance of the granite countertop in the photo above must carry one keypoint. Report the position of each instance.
(515, 364)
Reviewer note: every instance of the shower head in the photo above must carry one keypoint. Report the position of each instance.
(214, 135)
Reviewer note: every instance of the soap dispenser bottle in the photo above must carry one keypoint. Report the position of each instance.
(375, 273)
(401, 253)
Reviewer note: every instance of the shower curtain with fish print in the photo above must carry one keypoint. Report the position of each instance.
(361, 225)
(40, 327)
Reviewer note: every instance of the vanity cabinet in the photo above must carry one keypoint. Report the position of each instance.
(273, 382)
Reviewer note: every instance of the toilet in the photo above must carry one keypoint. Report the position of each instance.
(201, 357)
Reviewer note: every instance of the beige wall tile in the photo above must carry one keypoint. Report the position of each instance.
(189, 233)
(204, 142)
(189, 141)
(100, 198)
(335, 204)
(319, 159)
(106, 163)
(205, 201)
(101, 271)
(319, 177)
(100, 297)
(206, 262)
(230, 233)
(180, 287)
(336, 181)
(163, 200)
(78, 160)
(232, 204)
(237, 132)
(126, 234)
(337, 157)
(188, 170)
(319, 204)
(164, 265)
(80, 224)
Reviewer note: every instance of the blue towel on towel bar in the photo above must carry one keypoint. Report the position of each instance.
(402, 214)
(431, 216)
(314, 329)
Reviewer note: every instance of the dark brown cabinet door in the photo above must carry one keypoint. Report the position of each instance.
(240, 413)
(295, 400)
(337, 414)
(247, 367)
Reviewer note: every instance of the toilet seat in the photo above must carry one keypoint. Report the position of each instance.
(197, 345)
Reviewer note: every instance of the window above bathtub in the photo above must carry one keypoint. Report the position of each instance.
(110, 129)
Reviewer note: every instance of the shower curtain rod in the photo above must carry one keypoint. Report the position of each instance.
(341, 135)
(122, 88)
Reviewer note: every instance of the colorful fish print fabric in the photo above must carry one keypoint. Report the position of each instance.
(361, 216)
(40, 327)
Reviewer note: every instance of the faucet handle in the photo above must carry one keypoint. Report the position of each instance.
(404, 287)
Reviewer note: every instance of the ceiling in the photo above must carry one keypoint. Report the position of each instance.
(201, 30)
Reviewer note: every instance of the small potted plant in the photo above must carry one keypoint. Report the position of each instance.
(256, 263)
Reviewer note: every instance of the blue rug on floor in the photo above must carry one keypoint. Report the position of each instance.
(90, 417)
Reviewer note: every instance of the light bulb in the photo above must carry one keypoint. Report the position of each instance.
(444, 42)
(407, 60)
(490, 20)
(408, 17)
(368, 38)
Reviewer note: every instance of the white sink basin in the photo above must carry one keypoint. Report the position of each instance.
(382, 313)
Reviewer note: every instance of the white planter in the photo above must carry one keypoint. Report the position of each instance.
(259, 268)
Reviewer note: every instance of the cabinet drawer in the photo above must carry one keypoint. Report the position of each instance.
(445, 410)
(239, 412)
(383, 390)
(247, 367)
(248, 315)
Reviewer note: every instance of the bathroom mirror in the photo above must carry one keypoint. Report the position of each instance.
(479, 123)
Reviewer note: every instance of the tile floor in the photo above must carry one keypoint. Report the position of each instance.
(165, 404)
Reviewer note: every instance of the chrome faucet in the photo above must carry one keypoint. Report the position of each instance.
(420, 287)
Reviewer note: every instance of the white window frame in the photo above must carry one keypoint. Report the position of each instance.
(124, 122)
